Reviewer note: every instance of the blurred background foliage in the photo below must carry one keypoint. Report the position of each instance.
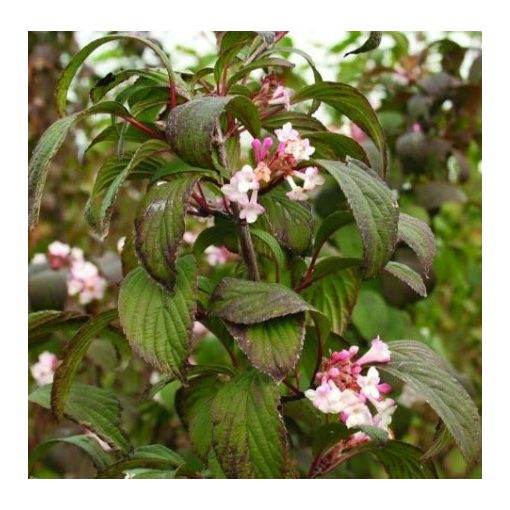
(426, 89)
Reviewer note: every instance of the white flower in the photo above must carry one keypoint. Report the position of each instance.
(286, 133)
(217, 255)
(39, 258)
(240, 183)
(327, 398)
(76, 255)
(358, 414)
(296, 192)
(251, 210)
(120, 244)
(84, 279)
(385, 410)
(58, 249)
(369, 383)
(379, 352)
(299, 149)
(281, 95)
(312, 178)
(44, 369)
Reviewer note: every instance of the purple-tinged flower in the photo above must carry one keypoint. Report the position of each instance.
(44, 369)
(379, 352)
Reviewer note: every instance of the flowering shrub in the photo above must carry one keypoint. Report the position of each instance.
(226, 249)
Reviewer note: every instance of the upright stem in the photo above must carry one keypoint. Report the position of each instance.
(247, 249)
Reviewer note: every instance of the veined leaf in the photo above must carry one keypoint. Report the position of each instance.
(72, 358)
(249, 437)
(219, 235)
(273, 346)
(88, 444)
(289, 221)
(418, 236)
(75, 63)
(335, 296)
(44, 322)
(193, 404)
(335, 146)
(350, 102)
(159, 227)
(273, 245)
(428, 374)
(94, 408)
(192, 126)
(374, 208)
(48, 145)
(407, 275)
(156, 322)
(99, 207)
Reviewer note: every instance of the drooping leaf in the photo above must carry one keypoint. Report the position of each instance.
(191, 127)
(249, 437)
(289, 221)
(426, 372)
(94, 408)
(374, 208)
(373, 42)
(335, 296)
(273, 346)
(419, 237)
(48, 145)
(258, 64)
(75, 63)
(442, 441)
(407, 275)
(149, 456)
(193, 404)
(160, 225)
(299, 121)
(44, 322)
(350, 102)
(434, 194)
(88, 444)
(72, 358)
(98, 210)
(218, 235)
(335, 146)
(272, 244)
(156, 322)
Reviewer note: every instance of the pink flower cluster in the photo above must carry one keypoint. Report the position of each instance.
(44, 369)
(358, 399)
(83, 278)
(291, 150)
(215, 255)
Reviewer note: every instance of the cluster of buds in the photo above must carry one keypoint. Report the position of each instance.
(83, 278)
(282, 162)
(345, 391)
(43, 370)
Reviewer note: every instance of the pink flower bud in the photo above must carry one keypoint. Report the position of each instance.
(378, 353)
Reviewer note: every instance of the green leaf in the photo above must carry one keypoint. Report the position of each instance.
(299, 121)
(407, 275)
(335, 296)
(192, 127)
(99, 208)
(258, 64)
(219, 235)
(329, 226)
(273, 346)
(100, 458)
(335, 146)
(156, 322)
(46, 321)
(373, 42)
(160, 225)
(249, 437)
(402, 460)
(193, 404)
(94, 408)
(48, 145)
(273, 245)
(149, 456)
(443, 440)
(350, 102)
(418, 236)
(75, 63)
(72, 358)
(247, 302)
(374, 208)
(289, 221)
(428, 374)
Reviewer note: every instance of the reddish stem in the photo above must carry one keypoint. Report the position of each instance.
(173, 95)
(142, 127)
